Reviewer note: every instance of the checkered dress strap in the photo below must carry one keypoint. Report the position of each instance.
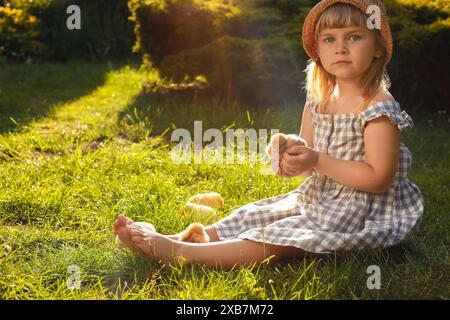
(392, 110)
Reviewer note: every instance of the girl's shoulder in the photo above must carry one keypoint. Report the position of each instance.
(382, 96)
(384, 104)
(382, 100)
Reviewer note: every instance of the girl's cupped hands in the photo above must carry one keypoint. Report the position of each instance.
(296, 160)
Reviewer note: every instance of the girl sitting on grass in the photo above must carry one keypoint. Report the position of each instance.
(357, 194)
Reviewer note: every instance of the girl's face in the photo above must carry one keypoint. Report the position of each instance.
(347, 53)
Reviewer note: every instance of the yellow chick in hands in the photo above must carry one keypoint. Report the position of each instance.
(279, 143)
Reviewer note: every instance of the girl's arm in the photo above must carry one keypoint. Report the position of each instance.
(306, 133)
(377, 172)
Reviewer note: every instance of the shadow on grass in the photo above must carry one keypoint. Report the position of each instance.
(158, 113)
(30, 91)
(398, 254)
(28, 213)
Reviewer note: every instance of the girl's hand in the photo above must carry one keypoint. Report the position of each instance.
(296, 160)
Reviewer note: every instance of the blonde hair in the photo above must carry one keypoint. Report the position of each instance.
(319, 84)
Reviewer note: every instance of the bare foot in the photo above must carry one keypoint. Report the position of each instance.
(154, 245)
(121, 229)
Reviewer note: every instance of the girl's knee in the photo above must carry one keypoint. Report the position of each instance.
(280, 252)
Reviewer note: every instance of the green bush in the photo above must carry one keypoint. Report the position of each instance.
(105, 28)
(167, 27)
(421, 31)
(243, 53)
(252, 48)
(245, 48)
(238, 68)
(18, 35)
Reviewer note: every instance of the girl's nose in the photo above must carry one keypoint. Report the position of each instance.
(341, 50)
(341, 47)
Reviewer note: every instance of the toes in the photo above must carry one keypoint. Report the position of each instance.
(128, 220)
(122, 222)
(121, 219)
(116, 222)
(116, 227)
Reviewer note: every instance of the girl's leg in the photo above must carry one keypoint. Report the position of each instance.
(236, 252)
(220, 254)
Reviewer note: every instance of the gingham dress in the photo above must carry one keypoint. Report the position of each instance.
(322, 215)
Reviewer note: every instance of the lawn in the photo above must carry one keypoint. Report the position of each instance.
(81, 142)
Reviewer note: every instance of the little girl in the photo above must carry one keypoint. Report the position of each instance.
(357, 194)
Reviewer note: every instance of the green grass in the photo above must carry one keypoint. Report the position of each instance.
(81, 143)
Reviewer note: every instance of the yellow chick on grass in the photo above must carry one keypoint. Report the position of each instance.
(194, 233)
(197, 211)
(199, 206)
(211, 199)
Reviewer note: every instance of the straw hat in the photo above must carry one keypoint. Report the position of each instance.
(308, 37)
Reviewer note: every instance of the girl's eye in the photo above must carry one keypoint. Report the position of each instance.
(355, 37)
(328, 39)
